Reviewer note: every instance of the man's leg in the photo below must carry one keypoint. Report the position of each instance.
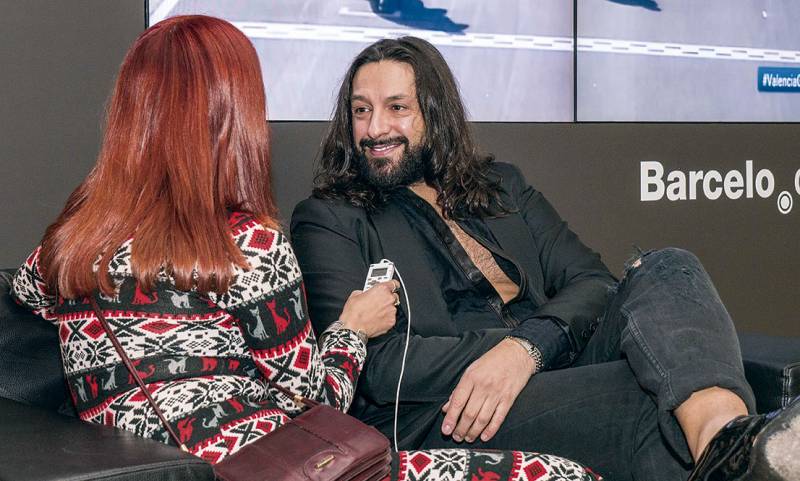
(668, 321)
(597, 415)
(676, 338)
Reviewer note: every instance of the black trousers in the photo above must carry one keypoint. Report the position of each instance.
(664, 335)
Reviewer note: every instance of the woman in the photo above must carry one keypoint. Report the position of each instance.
(174, 234)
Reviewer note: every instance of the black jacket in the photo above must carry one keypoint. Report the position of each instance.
(336, 242)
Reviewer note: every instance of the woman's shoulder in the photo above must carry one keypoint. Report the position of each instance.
(242, 221)
(271, 260)
(253, 237)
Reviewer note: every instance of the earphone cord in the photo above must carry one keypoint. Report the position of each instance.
(405, 353)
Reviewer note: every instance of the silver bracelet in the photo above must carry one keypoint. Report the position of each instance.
(338, 325)
(532, 350)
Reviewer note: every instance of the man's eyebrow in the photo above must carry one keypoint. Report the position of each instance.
(392, 98)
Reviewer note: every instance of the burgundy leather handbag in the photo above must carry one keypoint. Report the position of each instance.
(321, 444)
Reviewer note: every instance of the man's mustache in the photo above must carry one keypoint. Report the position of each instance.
(372, 143)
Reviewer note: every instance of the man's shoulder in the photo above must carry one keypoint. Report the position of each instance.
(509, 176)
(504, 168)
(315, 210)
(316, 206)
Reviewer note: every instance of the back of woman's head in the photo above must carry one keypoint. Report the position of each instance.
(186, 141)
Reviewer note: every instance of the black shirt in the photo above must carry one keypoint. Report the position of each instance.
(471, 298)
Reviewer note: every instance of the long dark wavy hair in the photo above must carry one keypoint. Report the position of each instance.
(453, 164)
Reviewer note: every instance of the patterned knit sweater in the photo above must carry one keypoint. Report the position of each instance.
(204, 359)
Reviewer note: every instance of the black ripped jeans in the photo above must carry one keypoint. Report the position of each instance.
(664, 335)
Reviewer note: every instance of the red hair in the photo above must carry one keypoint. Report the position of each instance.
(186, 141)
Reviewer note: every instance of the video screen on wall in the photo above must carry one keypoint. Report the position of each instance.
(513, 59)
(688, 60)
(523, 60)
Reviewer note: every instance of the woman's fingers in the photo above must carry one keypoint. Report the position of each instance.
(373, 311)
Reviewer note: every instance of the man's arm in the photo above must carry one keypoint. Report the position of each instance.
(576, 284)
(332, 248)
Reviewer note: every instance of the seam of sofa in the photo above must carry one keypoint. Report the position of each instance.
(785, 395)
(151, 467)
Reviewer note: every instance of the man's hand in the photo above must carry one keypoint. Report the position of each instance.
(487, 390)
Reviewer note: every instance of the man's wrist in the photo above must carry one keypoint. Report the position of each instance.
(533, 351)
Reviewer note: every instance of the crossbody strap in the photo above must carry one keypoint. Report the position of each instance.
(298, 399)
(134, 373)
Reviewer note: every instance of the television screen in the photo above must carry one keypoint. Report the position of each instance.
(688, 60)
(513, 59)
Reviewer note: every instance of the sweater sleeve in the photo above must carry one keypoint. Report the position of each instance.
(30, 289)
(268, 303)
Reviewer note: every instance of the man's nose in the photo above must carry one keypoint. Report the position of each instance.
(379, 125)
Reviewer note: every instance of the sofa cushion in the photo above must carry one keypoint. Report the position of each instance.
(30, 359)
(772, 367)
(39, 445)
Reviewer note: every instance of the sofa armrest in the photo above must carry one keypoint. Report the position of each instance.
(42, 445)
(772, 367)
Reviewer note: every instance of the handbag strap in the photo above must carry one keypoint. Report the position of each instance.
(298, 399)
(134, 373)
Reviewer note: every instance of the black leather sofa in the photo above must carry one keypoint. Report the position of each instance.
(41, 439)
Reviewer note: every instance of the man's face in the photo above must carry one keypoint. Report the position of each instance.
(388, 126)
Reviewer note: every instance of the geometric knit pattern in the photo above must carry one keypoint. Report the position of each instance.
(485, 465)
(205, 360)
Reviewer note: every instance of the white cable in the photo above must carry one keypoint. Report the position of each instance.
(405, 353)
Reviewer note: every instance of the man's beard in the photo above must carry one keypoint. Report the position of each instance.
(406, 171)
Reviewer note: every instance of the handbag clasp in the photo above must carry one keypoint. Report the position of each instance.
(326, 461)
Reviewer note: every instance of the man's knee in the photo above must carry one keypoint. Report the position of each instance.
(668, 283)
(665, 259)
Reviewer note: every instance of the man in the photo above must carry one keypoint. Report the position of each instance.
(520, 338)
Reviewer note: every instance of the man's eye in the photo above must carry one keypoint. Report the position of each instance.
(398, 107)
(360, 110)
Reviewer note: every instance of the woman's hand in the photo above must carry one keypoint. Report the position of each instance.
(373, 311)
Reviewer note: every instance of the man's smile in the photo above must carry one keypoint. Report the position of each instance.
(383, 150)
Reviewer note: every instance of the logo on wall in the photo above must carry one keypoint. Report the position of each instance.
(778, 79)
(678, 185)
